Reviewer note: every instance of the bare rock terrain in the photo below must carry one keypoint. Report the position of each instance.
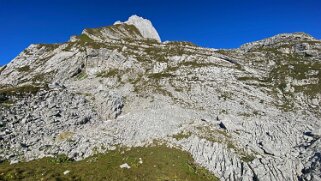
(251, 113)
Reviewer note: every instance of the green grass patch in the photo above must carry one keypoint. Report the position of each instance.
(61, 158)
(39, 77)
(245, 114)
(69, 46)
(146, 163)
(160, 75)
(49, 47)
(181, 43)
(223, 52)
(182, 135)
(213, 135)
(248, 79)
(21, 90)
(7, 93)
(24, 69)
(109, 73)
(195, 64)
(247, 158)
(132, 29)
(84, 38)
(82, 75)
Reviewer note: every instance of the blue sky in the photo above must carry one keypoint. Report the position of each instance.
(209, 23)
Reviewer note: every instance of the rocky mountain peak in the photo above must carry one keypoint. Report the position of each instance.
(280, 39)
(144, 26)
(135, 28)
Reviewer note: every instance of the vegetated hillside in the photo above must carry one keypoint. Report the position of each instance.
(251, 113)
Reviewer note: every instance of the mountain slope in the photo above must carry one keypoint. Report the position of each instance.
(244, 114)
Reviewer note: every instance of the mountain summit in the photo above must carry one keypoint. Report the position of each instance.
(135, 28)
(144, 26)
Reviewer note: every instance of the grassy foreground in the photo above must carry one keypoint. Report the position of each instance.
(146, 163)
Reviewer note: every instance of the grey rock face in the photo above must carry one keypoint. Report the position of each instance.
(244, 114)
(110, 105)
(284, 39)
(43, 119)
(144, 26)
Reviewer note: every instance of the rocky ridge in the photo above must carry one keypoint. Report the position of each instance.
(250, 113)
